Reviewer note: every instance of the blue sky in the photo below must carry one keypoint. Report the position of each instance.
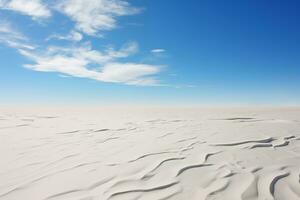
(150, 51)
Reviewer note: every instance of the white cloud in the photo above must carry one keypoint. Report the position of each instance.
(6, 29)
(72, 36)
(85, 62)
(33, 8)
(158, 50)
(129, 73)
(92, 16)
(125, 51)
(80, 60)
(12, 38)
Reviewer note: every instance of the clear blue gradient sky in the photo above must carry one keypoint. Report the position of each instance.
(150, 51)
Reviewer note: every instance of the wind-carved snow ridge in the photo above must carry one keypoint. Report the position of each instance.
(149, 154)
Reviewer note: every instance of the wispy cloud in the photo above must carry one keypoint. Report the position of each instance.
(85, 62)
(130, 73)
(72, 36)
(79, 59)
(13, 38)
(158, 50)
(34, 8)
(92, 16)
